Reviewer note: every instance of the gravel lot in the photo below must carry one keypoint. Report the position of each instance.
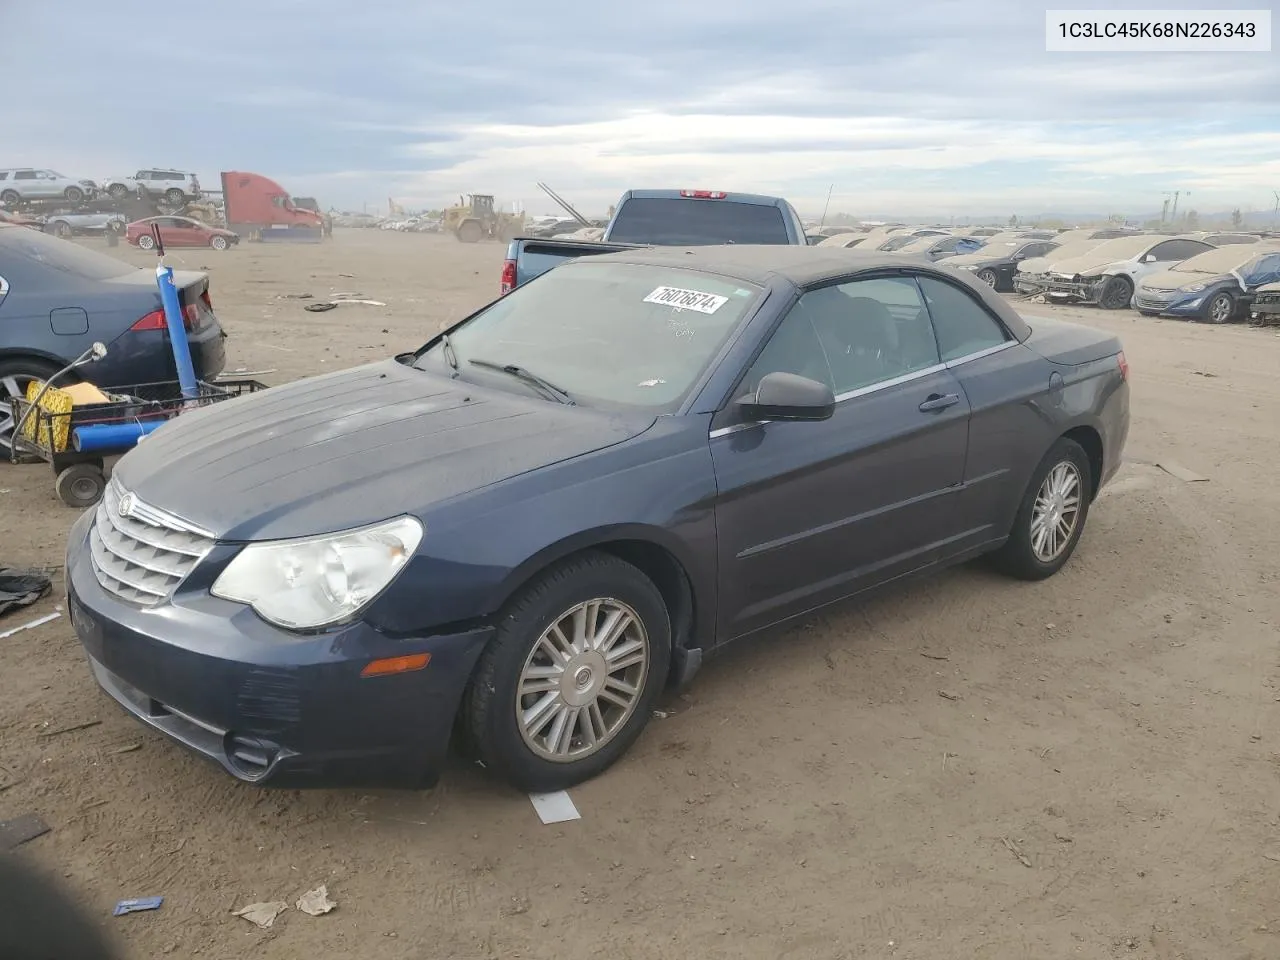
(1103, 784)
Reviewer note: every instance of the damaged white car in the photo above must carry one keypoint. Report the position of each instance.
(1108, 274)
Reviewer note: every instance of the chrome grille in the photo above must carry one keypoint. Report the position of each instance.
(1148, 299)
(143, 555)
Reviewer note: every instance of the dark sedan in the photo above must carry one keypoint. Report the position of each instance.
(994, 263)
(523, 531)
(1216, 287)
(57, 298)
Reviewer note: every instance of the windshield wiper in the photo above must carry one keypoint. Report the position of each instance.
(520, 373)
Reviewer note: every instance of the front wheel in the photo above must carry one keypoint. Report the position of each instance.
(62, 229)
(175, 197)
(1220, 307)
(74, 194)
(1051, 516)
(989, 278)
(218, 243)
(118, 191)
(570, 677)
(1116, 294)
(146, 241)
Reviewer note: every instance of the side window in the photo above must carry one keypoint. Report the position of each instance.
(963, 325)
(852, 335)
(1178, 250)
(4, 174)
(24, 175)
(1037, 250)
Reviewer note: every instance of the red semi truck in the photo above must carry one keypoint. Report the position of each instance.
(257, 205)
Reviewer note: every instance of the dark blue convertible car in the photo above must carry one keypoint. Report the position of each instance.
(522, 532)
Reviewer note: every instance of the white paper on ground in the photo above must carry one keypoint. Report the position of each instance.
(34, 623)
(554, 807)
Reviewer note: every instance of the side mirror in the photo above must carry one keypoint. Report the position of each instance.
(788, 396)
(1149, 258)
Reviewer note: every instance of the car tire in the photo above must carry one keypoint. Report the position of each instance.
(1117, 294)
(117, 191)
(62, 229)
(1219, 308)
(218, 243)
(470, 232)
(14, 377)
(1063, 475)
(146, 242)
(175, 196)
(80, 485)
(73, 194)
(583, 693)
(10, 197)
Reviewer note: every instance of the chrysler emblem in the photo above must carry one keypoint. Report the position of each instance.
(125, 506)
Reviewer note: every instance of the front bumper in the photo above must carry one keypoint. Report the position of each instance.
(1265, 310)
(1073, 291)
(267, 707)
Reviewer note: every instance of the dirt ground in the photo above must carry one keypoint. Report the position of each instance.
(1100, 779)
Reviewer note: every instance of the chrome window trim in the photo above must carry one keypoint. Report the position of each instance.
(882, 385)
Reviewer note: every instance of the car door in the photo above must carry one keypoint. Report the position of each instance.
(1002, 382)
(29, 184)
(809, 512)
(187, 233)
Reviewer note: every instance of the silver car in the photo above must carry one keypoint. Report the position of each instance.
(175, 187)
(28, 183)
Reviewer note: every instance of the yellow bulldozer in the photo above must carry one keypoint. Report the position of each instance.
(475, 219)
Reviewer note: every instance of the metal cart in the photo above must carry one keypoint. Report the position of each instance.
(45, 434)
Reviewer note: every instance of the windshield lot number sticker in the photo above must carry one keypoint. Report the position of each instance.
(686, 299)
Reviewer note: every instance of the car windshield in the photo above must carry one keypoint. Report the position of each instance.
(1216, 261)
(609, 334)
(22, 243)
(677, 221)
(1123, 248)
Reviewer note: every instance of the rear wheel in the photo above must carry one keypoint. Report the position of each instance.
(1051, 516)
(1116, 294)
(1220, 307)
(15, 375)
(570, 677)
(10, 197)
(175, 196)
(118, 191)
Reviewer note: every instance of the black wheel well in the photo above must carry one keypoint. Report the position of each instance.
(1089, 439)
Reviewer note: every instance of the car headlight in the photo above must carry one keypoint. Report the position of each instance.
(318, 581)
(1193, 288)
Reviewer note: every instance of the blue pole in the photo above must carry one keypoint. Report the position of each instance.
(177, 331)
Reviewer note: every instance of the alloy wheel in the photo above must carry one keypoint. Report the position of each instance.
(1056, 512)
(582, 680)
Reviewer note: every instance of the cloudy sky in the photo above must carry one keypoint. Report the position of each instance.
(945, 107)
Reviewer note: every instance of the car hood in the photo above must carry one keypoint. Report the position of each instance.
(1084, 266)
(1176, 280)
(351, 448)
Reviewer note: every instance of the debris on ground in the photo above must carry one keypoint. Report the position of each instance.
(316, 902)
(1181, 472)
(38, 621)
(21, 588)
(71, 729)
(14, 833)
(262, 914)
(557, 807)
(1013, 848)
(948, 695)
(137, 905)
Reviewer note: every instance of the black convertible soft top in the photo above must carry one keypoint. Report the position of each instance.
(810, 267)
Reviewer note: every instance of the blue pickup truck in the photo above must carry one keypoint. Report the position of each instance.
(669, 218)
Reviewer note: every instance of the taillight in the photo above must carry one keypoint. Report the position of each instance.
(703, 194)
(508, 276)
(1124, 365)
(155, 319)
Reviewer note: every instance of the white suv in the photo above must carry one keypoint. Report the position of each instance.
(28, 183)
(175, 187)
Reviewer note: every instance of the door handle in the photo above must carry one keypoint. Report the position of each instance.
(938, 401)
